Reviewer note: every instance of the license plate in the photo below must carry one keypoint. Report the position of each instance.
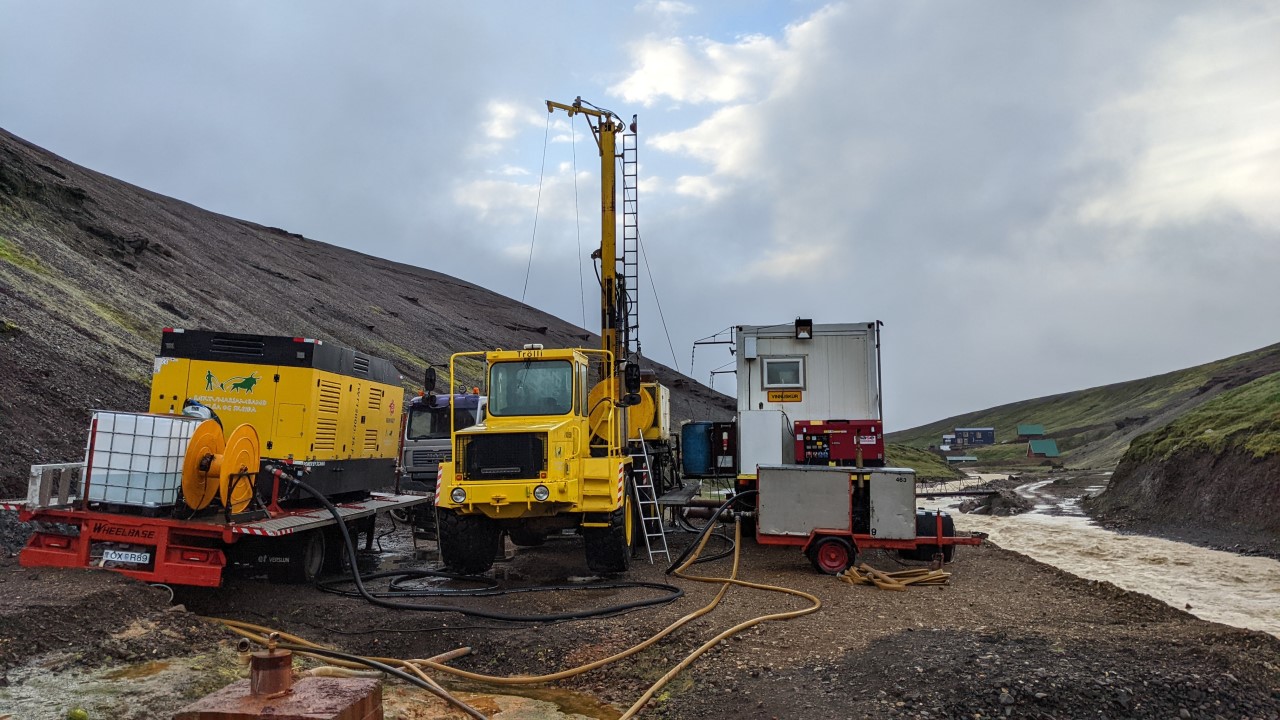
(126, 556)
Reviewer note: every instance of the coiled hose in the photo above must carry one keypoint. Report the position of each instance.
(671, 592)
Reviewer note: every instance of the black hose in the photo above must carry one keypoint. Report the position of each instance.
(383, 667)
(727, 552)
(711, 523)
(673, 592)
(400, 577)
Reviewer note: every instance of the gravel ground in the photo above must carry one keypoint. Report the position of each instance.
(1008, 637)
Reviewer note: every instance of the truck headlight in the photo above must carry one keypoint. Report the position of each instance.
(541, 493)
(458, 495)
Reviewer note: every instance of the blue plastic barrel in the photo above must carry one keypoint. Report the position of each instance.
(695, 448)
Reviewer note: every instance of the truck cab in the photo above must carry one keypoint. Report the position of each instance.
(429, 420)
(549, 456)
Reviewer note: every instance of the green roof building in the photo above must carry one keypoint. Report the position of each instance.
(1026, 431)
(1047, 448)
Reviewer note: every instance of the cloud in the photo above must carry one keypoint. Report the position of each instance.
(1034, 196)
(501, 120)
(667, 14)
(1050, 173)
(1201, 135)
(699, 187)
(665, 7)
(698, 70)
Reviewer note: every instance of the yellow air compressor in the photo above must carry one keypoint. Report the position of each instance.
(330, 413)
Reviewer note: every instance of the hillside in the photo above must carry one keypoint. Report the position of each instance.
(92, 268)
(1093, 427)
(927, 465)
(1211, 475)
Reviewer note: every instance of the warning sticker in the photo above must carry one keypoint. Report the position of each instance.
(786, 395)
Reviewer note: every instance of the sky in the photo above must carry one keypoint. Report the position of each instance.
(1034, 197)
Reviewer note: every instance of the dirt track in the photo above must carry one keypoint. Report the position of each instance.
(1008, 637)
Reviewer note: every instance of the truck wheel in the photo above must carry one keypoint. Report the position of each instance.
(304, 558)
(609, 549)
(336, 561)
(831, 555)
(424, 522)
(524, 537)
(467, 542)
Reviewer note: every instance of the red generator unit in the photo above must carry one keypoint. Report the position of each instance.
(840, 443)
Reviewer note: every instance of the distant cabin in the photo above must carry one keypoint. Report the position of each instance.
(962, 458)
(976, 436)
(1047, 448)
(1027, 431)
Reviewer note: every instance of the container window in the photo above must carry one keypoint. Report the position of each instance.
(783, 373)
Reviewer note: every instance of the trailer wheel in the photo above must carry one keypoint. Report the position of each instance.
(304, 559)
(609, 549)
(524, 537)
(467, 542)
(831, 555)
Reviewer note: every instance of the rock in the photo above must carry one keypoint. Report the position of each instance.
(1006, 699)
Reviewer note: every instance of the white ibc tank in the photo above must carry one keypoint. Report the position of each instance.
(136, 458)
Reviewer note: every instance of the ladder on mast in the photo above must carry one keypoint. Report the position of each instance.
(646, 499)
(631, 241)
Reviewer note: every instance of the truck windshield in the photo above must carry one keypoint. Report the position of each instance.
(433, 423)
(531, 387)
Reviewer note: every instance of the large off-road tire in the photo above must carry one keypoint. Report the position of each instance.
(467, 543)
(303, 557)
(609, 548)
(524, 537)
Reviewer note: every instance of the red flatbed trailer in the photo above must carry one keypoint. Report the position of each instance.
(73, 534)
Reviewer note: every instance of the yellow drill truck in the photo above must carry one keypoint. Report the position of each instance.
(552, 452)
(548, 456)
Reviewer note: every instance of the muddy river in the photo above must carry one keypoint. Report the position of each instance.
(1218, 586)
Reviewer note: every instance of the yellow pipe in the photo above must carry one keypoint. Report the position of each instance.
(258, 634)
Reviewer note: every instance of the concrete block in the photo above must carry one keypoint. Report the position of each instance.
(312, 698)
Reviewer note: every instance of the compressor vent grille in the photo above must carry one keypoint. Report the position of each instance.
(330, 398)
(326, 434)
(360, 364)
(327, 405)
(375, 399)
(244, 347)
